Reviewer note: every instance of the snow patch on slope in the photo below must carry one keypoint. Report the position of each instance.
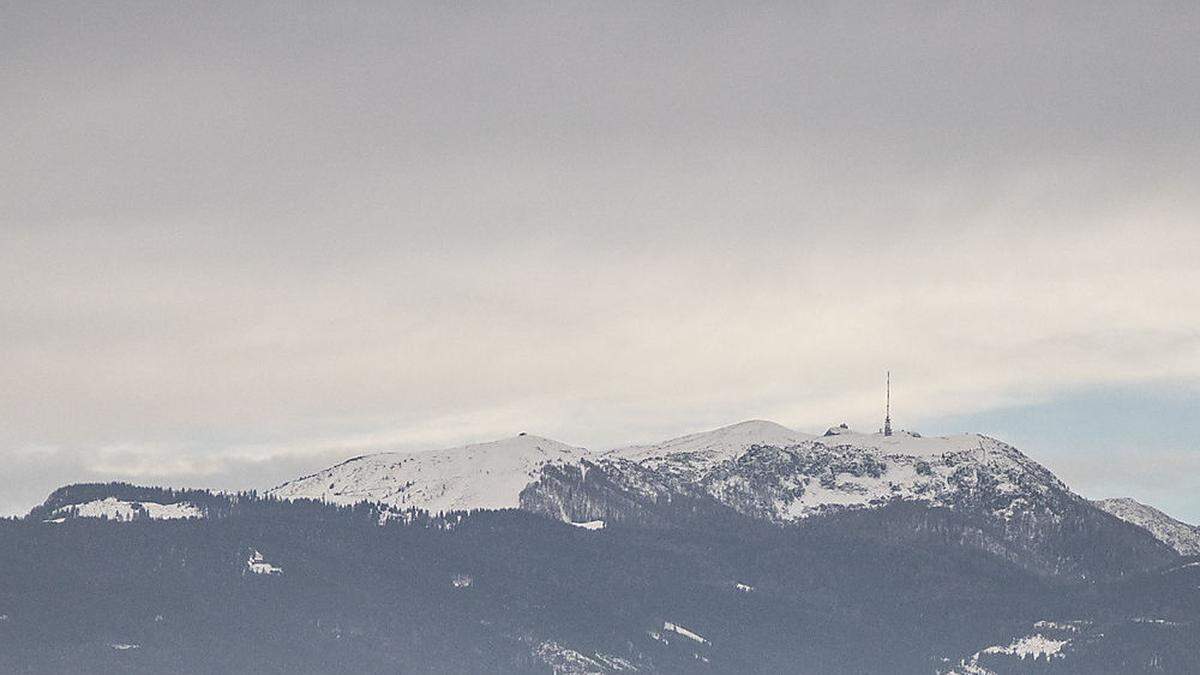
(1035, 645)
(120, 509)
(590, 525)
(1047, 642)
(687, 633)
(563, 659)
(257, 564)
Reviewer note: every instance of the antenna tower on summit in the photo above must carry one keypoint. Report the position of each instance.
(887, 410)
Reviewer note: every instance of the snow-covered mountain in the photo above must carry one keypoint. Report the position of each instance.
(992, 497)
(1178, 535)
(758, 468)
(689, 555)
(492, 475)
(1003, 502)
(768, 471)
(857, 470)
(479, 476)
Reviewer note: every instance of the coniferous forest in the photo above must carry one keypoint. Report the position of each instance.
(356, 589)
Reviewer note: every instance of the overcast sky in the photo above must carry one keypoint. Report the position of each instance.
(242, 242)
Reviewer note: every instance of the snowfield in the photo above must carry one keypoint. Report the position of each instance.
(479, 476)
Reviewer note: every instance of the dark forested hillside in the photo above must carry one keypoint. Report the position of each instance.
(344, 590)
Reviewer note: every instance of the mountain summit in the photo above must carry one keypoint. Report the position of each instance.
(717, 445)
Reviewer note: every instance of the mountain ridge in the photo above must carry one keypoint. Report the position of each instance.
(1181, 536)
(1007, 503)
(1010, 505)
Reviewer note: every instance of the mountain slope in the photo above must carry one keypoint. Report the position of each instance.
(1182, 537)
(1003, 502)
(479, 476)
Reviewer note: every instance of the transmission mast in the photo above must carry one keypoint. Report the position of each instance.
(887, 410)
